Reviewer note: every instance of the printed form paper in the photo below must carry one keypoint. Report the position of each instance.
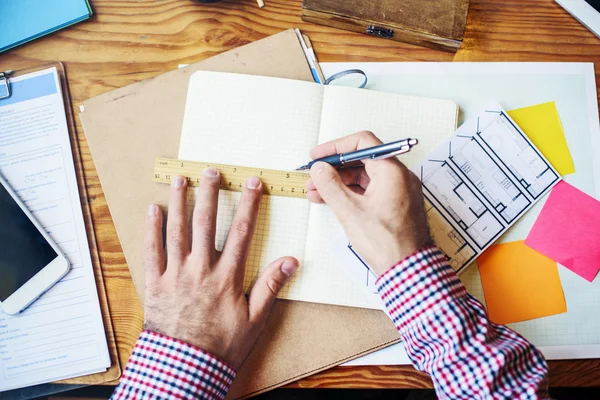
(61, 335)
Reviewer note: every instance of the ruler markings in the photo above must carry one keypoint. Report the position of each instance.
(276, 183)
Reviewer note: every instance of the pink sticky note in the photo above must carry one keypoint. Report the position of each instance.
(568, 230)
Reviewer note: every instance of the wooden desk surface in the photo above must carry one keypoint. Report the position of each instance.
(128, 41)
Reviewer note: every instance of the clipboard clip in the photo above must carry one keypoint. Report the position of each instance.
(5, 84)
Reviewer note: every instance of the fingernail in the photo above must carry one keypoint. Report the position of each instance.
(289, 267)
(177, 182)
(152, 210)
(253, 182)
(211, 172)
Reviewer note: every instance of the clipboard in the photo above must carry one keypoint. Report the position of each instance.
(114, 372)
(300, 339)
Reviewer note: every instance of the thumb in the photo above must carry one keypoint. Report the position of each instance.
(330, 186)
(267, 288)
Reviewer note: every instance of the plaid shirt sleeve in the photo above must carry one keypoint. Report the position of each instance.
(161, 367)
(448, 335)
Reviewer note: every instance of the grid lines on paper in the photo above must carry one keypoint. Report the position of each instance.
(280, 231)
(250, 121)
(389, 116)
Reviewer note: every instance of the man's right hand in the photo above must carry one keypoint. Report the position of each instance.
(379, 204)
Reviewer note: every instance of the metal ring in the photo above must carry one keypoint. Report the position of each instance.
(348, 72)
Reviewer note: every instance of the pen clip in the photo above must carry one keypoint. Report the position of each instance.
(402, 150)
(6, 82)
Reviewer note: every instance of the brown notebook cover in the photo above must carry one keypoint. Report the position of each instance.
(128, 128)
(114, 372)
(438, 24)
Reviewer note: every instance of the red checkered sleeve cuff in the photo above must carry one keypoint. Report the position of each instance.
(161, 367)
(446, 333)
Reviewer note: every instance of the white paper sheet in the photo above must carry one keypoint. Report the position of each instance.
(572, 86)
(61, 335)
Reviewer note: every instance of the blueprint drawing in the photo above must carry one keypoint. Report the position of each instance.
(479, 182)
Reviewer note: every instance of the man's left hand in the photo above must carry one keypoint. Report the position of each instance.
(195, 293)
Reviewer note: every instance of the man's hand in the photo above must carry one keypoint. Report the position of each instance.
(195, 293)
(379, 204)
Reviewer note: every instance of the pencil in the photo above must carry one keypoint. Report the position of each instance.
(261, 3)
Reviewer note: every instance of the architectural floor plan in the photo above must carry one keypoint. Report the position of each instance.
(479, 182)
(476, 185)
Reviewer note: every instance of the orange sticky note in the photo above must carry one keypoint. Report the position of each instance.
(519, 283)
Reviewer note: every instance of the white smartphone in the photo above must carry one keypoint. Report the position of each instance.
(30, 262)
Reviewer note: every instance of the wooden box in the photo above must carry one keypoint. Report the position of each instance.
(439, 24)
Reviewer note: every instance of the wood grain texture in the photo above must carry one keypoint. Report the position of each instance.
(438, 25)
(128, 41)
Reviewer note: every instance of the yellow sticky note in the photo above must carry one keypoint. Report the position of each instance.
(519, 283)
(542, 125)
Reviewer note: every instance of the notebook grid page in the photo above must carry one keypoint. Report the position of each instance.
(267, 123)
(250, 121)
(275, 124)
(391, 117)
(277, 234)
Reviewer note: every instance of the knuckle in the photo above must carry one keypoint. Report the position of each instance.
(226, 284)
(238, 250)
(401, 172)
(203, 218)
(153, 292)
(274, 285)
(258, 324)
(177, 244)
(243, 228)
(205, 243)
(328, 177)
(366, 134)
(154, 223)
(151, 260)
(203, 272)
(150, 251)
(177, 231)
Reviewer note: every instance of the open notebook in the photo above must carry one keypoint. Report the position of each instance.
(273, 123)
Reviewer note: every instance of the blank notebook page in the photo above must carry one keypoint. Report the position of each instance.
(256, 122)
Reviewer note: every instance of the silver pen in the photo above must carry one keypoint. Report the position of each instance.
(378, 152)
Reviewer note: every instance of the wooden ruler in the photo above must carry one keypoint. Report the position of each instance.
(276, 183)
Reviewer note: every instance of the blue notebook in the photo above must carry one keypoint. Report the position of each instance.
(25, 20)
